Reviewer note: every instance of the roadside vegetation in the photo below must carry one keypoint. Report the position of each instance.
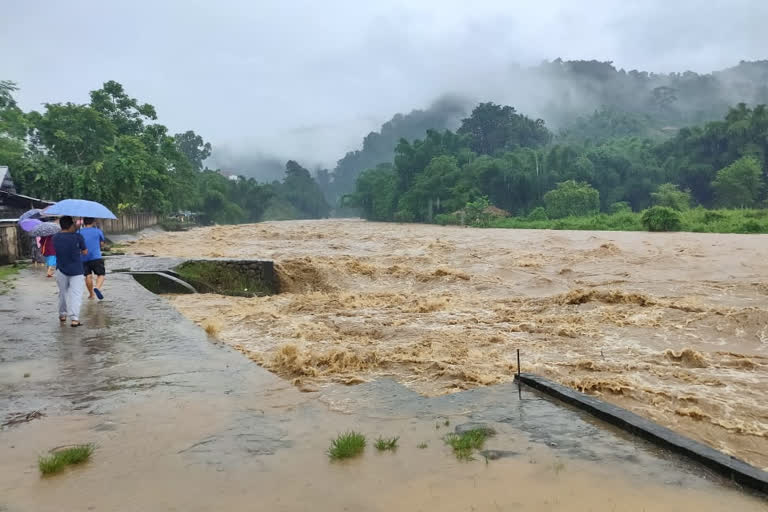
(7, 275)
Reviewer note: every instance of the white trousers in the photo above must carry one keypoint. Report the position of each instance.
(70, 294)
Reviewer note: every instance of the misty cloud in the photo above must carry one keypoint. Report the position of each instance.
(307, 80)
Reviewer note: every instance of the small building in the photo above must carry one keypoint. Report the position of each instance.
(14, 244)
(6, 183)
(229, 175)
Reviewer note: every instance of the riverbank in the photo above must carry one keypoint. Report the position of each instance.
(696, 220)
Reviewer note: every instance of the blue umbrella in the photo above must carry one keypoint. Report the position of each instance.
(80, 208)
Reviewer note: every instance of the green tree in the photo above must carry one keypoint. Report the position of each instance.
(193, 147)
(302, 191)
(74, 134)
(434, 190)
(740, 184)
(670, 195)
(492, 128)
(13, 127)
(126, 114)
(375, 193)
(572, 199)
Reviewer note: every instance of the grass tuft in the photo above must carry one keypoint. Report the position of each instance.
(383, 444)
(60, 459)
(7, 274)
(421, 445)
(464, 444)
(346, 445)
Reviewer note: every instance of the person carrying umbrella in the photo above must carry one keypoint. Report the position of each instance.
(93, 263)
(70, 246)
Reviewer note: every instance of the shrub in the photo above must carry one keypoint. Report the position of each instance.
(670, 195)
(477, 211)
(538, 213)
(572, 199)
(620, 207)
(447, 219)
(404, 216)
(661, 218)
(751, 226)
(710, 217)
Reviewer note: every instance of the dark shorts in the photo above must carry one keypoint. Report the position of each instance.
(94, 267)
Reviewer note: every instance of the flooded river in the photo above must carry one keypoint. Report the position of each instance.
(181, 423)
(673, 326)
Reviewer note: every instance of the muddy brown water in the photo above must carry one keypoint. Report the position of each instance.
(184, 423)
(673, 326)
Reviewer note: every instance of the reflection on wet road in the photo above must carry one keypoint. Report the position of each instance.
(182, 423)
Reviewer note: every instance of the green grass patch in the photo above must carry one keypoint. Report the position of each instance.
(384, 444)
(465, 444)
(421, 445)
(7, 275)
(58, 460)
(346, 445)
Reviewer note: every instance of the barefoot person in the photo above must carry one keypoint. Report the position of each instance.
(70, 247)
(93, 263)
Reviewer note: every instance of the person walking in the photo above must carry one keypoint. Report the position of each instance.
(49, 253)
(70, 247)
(93, 263)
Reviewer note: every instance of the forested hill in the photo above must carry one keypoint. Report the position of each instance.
(579, 100)
(379, 147)
(501, 158)
(562, 90)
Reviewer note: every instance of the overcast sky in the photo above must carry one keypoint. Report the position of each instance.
(308, 79)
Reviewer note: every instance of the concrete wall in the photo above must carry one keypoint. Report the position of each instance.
(129, 223)
(10, 243)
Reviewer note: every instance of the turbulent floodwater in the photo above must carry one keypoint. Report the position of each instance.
(671, 326)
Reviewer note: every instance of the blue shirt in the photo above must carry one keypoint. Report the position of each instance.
(93, 238)
(68, 247)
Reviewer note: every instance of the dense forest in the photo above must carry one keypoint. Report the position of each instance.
(111, 150)
(580, 137)
(581, 102)
(507, 159)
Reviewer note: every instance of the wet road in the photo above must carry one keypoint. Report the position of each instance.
(182, 423)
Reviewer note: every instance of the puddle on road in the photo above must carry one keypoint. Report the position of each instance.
(184, 424)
